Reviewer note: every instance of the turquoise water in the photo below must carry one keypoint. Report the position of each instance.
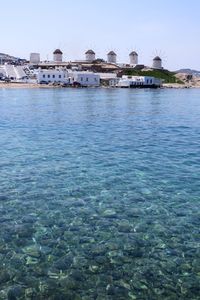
(99, 194)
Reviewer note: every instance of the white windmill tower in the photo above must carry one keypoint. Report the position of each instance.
(112, 57)
(90, 55)
(133, 56)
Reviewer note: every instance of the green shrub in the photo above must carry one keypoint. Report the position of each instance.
(167, 76)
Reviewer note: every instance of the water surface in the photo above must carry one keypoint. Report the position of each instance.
(99, 194)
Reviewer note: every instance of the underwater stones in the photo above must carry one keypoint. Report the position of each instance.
(68, 235)
(78, 203)
(135, 252)
(139, 285)
(29, 219)
(44, 289)
(146, 191)
(118, 292)
(160, 245)
(190, 286)
(32, 251)
(105, 223)
(75, 228)
(109, 213)
(4, 198)
(24, 231)
(115, 253)
(77, 275)
(66, 295)
(31, 260)
(124, 226)
(69, 283)
(132, 296)
(112, 245)
(98, 250)
(94, 268)
(134, 212)
(57, 252)
(21, 242)
(141, 227)
(3, 247)
(54, 274)
(17, 261)
(101, 260)
(86, 240)
(3, 294)
(124, 284)
(80, 262)
(30, 293)
(64, 262)
(196, 265)
(15, 292)
(4, 276)
(181, 213)
(45, 250)
(117, 260)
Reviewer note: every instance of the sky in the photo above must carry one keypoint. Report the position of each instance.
(170, 29)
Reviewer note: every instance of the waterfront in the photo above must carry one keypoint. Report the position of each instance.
(99, 194)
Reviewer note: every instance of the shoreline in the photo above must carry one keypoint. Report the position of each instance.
(36, 86)
(25, 85)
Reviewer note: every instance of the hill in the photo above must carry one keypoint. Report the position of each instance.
(10, 59)
(189, 72)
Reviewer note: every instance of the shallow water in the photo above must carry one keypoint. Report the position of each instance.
(99, 194)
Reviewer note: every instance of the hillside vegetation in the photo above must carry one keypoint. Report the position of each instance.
(167, 76)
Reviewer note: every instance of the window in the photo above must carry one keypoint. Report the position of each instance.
(43, 76)
(53, 76)
(147, 81)
(48, 76)
(81, 78)
(59, 76)
(86, 78)
(95, 79)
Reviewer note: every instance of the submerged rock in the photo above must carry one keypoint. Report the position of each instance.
(64, 262)
(124, 226)
(4, 276)
(24, 231)
(134, 212)
(109, 213)
(15, 292)
(33, 251)
(4, 198)
(118, 292)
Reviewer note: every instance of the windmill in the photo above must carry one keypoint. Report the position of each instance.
(157, 58)
(133, 55)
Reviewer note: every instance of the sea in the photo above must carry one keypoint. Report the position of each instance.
(99, 194)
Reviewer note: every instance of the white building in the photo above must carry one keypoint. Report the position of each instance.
(133, 56)
(139, 82)
(16, 73)
(109, 79)
(35, 58)
(84, 79)
(89, 55)
(157, 63)
(112, 57)
(52, 76)
(57, 55)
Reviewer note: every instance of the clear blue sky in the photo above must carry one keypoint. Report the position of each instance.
(169, 28)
